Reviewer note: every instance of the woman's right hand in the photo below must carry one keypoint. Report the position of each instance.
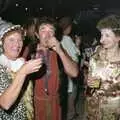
(93, 82)
(31, 66)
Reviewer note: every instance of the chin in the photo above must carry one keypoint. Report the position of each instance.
(15, 56)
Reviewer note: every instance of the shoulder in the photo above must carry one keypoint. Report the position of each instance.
(67, 42)
(21, 59)
(66, 39)
(2, 58)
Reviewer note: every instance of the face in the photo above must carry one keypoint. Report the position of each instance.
(31, 30)
(109, 39)
(12, 45)
(77, 40)
(68, 30)
(45, 32)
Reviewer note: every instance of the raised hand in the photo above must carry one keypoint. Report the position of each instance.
(93, 82)
(54, 44)
(31, 66)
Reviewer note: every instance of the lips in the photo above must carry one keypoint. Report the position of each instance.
(16, 50)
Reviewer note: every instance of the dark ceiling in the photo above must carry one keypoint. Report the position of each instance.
(17, 8)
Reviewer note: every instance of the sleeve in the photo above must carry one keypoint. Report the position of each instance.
(70, 47)
(5, 80)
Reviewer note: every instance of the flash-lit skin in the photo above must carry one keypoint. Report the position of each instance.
(12, 45)
(108, 39)
(48, 40)
(45, 33)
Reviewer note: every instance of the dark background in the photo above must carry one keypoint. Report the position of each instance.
(18, 10)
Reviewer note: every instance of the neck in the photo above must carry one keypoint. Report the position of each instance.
(10, 58)
(112, 54)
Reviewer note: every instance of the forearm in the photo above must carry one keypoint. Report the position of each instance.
(70, 66)
(10, 95)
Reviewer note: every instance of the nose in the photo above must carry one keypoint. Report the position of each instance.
(48, 34)
(17, 43)
(101, 40)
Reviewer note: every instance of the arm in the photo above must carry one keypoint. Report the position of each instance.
(70, 66)
(10, 94)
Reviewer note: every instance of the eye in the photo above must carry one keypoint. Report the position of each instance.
(41, 28)
(52, 32)
(21, 40)
(107, 35)
(11, 39)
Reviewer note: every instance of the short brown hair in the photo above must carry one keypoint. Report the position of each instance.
(111, 22)
(45, 20)
(64, 22)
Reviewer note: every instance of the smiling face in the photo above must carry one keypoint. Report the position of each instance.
(12, 44)
(45, 32)
(109, 39)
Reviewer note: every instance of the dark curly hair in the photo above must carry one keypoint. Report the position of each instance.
(45, 20)
(49, 20)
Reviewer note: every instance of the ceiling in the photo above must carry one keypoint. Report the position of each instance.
(14, 9)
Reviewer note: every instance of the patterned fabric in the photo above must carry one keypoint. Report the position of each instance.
(28, 100)
(23, 107)
(17, 111)
(104, 104)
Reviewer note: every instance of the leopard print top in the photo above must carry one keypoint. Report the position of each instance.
(18, 110)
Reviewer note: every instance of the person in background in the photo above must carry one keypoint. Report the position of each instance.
(86, 41)
(80, 102)
(30, 38)
(104, 73)
(68, 105)
(78, 40)
(16, 91)
(46, 91)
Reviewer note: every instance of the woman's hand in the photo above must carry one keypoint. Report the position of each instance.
(93, 82)
(31, 66)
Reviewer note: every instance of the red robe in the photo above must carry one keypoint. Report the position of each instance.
(47, 106)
